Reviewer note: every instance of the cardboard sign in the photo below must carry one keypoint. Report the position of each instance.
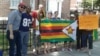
(89, 22)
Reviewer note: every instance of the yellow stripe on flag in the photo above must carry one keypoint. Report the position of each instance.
(51, 37)
(49, 24)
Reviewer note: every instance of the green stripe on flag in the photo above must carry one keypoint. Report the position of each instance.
(56, 40)
(58, 21)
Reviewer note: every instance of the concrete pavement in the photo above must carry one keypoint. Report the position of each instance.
(95, 52)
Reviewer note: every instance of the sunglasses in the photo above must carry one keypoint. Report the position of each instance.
(23, 7)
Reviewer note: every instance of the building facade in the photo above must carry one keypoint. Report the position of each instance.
(4, 8)
(76, 5)
(8, 5)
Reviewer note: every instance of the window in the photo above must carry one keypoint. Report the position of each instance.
(52, 7)
(56, 6)
(14, 4)
(32, 4)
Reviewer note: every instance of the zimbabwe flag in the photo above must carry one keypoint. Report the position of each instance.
(51, 31)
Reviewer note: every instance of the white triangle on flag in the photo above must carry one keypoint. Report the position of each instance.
(71, 30)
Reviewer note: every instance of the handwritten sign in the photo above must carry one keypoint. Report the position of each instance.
(88, 22)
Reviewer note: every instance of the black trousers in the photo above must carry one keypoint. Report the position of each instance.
(79, 38)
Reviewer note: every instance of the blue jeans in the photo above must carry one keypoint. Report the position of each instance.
(87, 39)
(1, 53)
(24, 42)
(14, 42)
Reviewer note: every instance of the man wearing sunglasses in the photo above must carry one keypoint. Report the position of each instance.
(13, 34)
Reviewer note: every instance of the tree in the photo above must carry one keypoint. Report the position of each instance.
(97, 4)
(86, 5)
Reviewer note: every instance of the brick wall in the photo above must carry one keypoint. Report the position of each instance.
(73, 4)
(27, 2)
(5, 4)
(65, 9)
(4, 8)
(40, 2)
(37, 2)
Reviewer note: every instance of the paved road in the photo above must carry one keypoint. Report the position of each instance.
(95, 52)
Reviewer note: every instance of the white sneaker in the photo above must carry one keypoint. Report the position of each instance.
(89, 53)
(34, 50)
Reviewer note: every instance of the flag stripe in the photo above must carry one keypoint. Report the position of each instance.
(51, 37)
(56, 40)
(54, 24)
(49, 31)
(50, 34)
(52, 27)
(58, 21)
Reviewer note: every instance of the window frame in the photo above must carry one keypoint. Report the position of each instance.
(16, 6)
(32, 4)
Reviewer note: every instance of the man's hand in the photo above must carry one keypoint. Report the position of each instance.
(11, 36)
(11, 31)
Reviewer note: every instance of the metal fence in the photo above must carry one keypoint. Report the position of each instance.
(3, 41)
(4, 45)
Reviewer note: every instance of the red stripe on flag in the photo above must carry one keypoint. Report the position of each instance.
(52, 27)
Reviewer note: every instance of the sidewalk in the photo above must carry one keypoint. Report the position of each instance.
(95, 52)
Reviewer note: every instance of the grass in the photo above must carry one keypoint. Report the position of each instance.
(3, 41)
